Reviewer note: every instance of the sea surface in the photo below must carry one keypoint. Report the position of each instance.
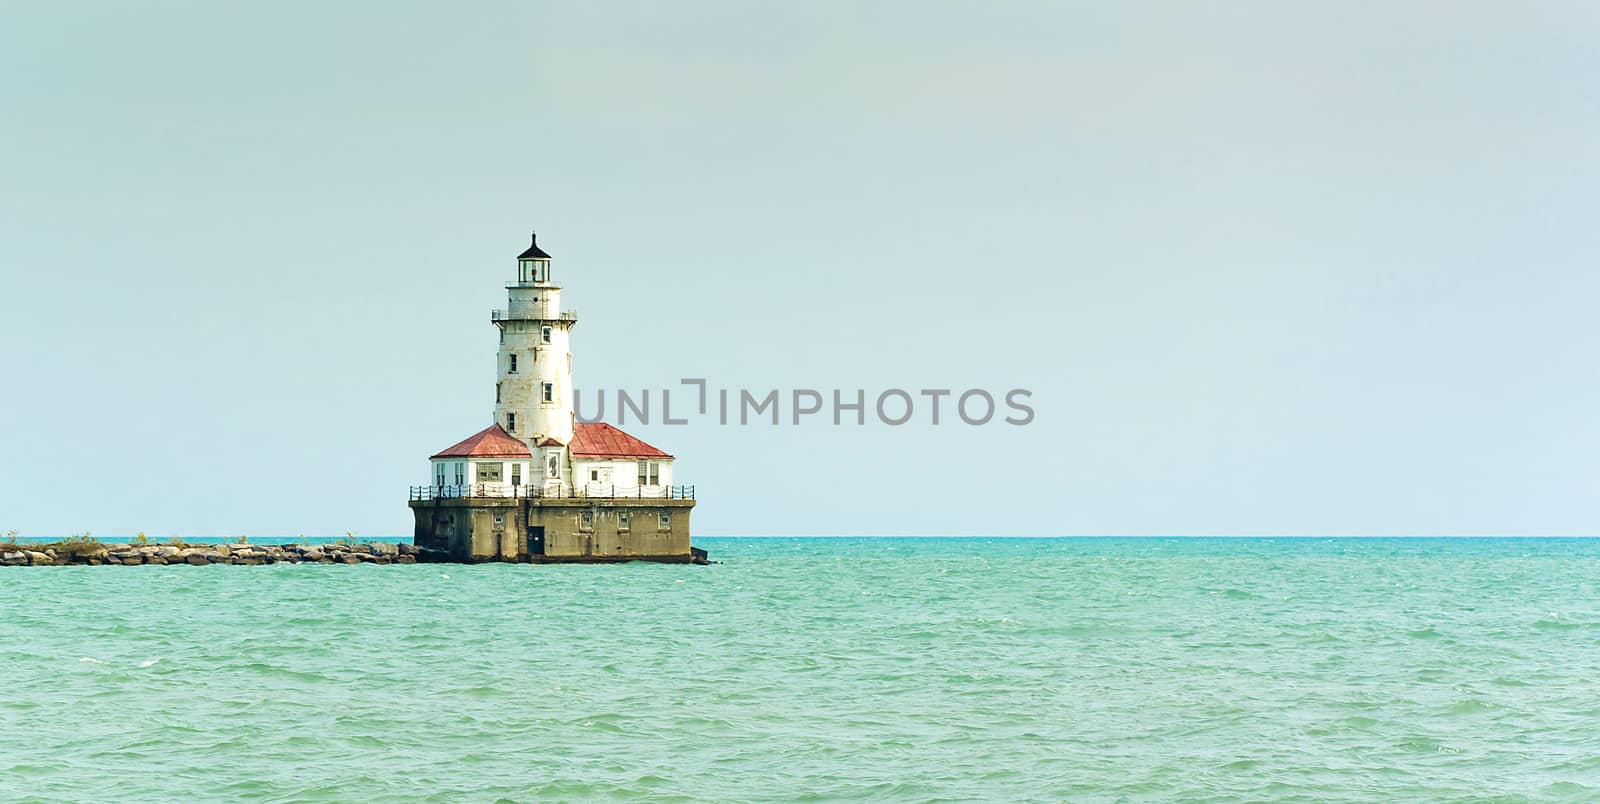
(893, 669)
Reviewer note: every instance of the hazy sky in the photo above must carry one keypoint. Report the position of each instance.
(1267, 267)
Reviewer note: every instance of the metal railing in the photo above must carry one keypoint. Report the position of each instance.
(532, 313)
(603, 491)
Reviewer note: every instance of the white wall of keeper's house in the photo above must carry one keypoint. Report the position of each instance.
(615, 475)
(472, 476)
(619, 472)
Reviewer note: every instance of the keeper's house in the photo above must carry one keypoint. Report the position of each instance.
(538, 485)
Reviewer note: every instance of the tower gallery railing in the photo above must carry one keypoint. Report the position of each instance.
(590, 490)
(532, 313)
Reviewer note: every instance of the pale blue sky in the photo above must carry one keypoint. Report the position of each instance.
(1268, 267)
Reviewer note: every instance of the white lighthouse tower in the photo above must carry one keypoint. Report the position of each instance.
(533, 395)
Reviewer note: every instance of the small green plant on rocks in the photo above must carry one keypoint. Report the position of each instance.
(141, 539)
(349, 539)
(78, 544)
(243, 539)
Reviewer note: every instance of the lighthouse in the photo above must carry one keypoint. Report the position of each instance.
(533, 395)
(537, 485)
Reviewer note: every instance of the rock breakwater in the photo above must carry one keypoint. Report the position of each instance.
(97, 554)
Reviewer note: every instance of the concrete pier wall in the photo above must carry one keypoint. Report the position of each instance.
(573, 529)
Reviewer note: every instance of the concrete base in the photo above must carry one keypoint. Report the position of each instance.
(553, 530)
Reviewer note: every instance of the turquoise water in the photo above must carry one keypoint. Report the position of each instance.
(892, 669)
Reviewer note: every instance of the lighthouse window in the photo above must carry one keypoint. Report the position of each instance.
(438, 474)
(585, 520)
(624, 519)
(461, 473)
(549, 392)
(544, 334)
(666, 520)
(513, 367)
(649, 473)
(511, 422)
(497, 393)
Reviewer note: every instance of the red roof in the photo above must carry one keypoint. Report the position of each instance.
(492, 442)
(551, 441)
(601, 440)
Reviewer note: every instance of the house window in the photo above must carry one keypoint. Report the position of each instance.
(585, 520)
(516, 474)
(461, 473)
(513, 367)
(649, 473)
(665, 520)
(438, 474)
(549, 392)
(594, 475)
(511, 422)
(544, 334)
(553, 466)
(490, 472)
(624, 520)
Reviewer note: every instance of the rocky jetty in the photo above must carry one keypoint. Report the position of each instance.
(94, 553)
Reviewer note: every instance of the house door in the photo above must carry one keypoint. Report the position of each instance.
(536, 540)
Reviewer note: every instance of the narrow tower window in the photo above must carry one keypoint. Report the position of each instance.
(513, 367)
(549, 392)
(511, 422)
(544, 334)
